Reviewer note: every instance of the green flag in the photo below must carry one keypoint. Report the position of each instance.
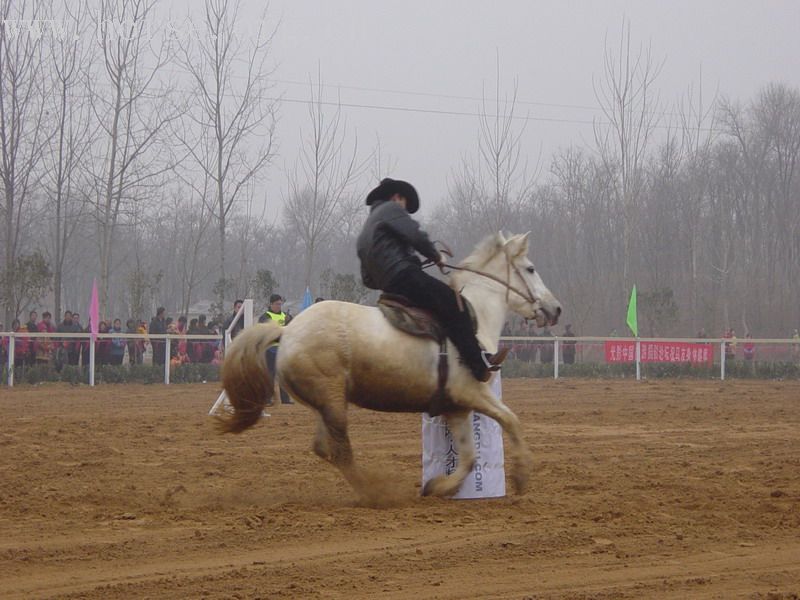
(632, 320)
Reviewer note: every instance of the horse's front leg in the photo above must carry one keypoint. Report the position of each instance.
(446, 485)
(480, 399)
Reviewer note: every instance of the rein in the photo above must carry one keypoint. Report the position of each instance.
(528, 297)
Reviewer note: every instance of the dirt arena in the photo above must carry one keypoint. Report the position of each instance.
(669, 489)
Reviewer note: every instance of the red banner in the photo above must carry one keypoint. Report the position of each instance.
(671, 352)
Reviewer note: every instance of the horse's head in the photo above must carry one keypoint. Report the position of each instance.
(530, 297)
(506, 261)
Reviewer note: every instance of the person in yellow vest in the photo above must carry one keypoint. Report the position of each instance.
(274, 311)
(275, 314)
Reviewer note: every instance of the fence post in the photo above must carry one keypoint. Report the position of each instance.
(638, 360)
(11, 349)
(555, 359)
(166, 359)
(91, 360)
(722, 360)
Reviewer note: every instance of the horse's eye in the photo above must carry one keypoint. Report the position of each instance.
(531, 269)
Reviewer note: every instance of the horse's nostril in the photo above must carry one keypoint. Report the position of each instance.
(558, 311)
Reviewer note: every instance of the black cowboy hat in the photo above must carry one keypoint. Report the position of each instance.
(390, 187)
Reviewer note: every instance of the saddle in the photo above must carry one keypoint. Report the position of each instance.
(420, 322)
(417, 321)
(413, 320)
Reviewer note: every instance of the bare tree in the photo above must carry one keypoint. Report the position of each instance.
(777, 116)
(766, 134)
(192, 231)
(68, 150)
(229, 128)
(577, 235)
(32, 280)
(488, 191)
(22, 128)
(505, 185)
(697, 123)
(630, 109)
(132, 111)
(726, 196)
(460, 221)
(249, 226)
(381, 166)
(322, 178)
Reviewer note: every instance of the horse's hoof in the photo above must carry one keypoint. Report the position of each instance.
(441, 486)
(435, 486)
(428, 489)
(520, 484)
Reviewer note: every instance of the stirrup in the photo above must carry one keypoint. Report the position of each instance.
(493, 361)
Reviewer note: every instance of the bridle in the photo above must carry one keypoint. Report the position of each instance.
(527, 295)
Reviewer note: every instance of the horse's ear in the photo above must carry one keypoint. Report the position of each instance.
(518, 245)
(501, 239)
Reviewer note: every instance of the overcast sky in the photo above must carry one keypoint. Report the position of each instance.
(423, 61)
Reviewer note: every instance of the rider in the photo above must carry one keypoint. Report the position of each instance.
(386, 248)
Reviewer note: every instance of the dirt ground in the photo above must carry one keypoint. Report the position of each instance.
(668, 489)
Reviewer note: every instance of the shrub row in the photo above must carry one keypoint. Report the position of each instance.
(735, 370)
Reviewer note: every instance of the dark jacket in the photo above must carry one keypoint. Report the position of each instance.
(71, 327)
(236, 329)
(157, 326)
(387, 243)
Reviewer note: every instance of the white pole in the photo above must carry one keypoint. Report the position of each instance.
(722, 360)
(555, 359)
(91, 360)
(11, 349)
(638, 361)
(166, 360)
(247, 308)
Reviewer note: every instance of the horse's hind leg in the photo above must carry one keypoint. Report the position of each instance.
(321, 446)
(446, 485)
(332, 443)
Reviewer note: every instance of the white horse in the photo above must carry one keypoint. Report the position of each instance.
(336, 353)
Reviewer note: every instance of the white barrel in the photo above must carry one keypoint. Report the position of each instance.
(487, 478)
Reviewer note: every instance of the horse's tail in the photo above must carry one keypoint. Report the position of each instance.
(245, 376)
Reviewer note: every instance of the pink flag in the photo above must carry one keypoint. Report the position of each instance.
(94, 310)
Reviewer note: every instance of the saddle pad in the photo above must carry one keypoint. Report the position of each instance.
(410, 319)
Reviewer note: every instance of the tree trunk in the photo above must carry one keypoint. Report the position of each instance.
(10, 251)
(221, 295)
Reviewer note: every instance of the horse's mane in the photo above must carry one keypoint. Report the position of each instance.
(478, 258)
(484, 251)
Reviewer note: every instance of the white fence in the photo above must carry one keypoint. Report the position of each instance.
(588, 350)
(11, 340)
(724, 354)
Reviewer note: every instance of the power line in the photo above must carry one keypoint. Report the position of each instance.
(454, 97)
(433, 111)
(408, 109)
(436, 95)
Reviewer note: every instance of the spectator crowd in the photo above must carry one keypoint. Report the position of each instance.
(62, 350)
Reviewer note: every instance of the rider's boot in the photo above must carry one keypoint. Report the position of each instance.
(487, 363)
(493, 361)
